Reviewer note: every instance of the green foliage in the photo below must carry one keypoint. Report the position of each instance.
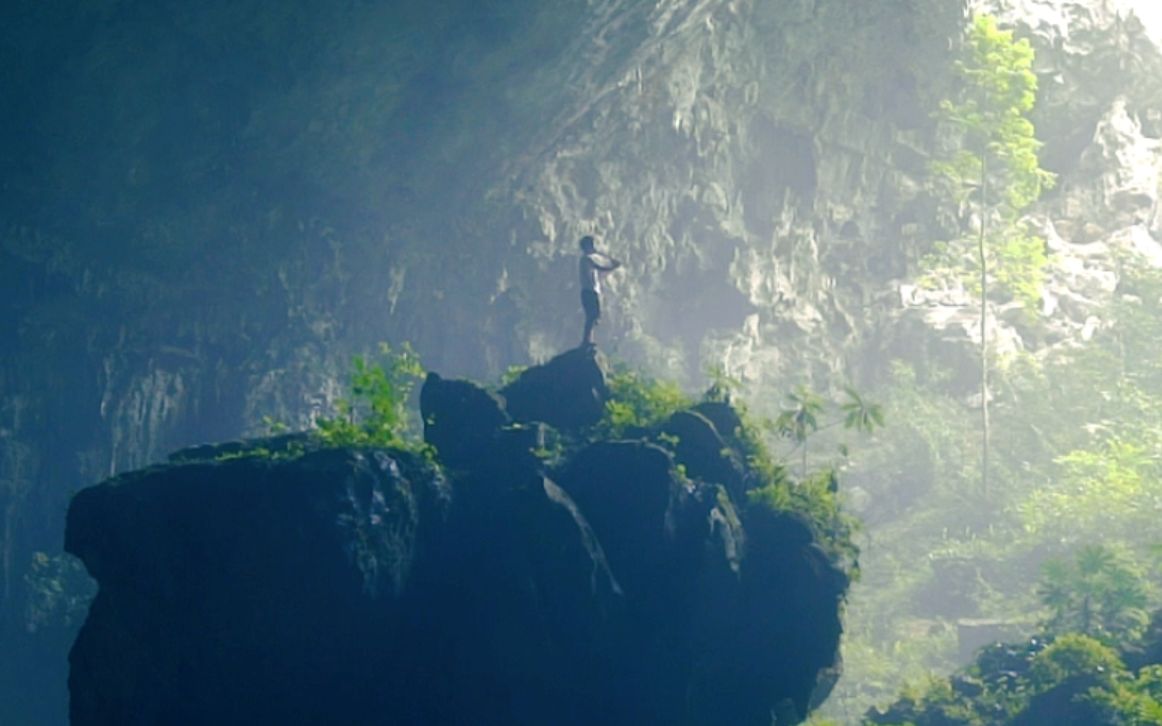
(749, 439)
(376, 411)
(859, 413)
(815, 496)
(993, 164)
(291, 450)
(59, 592)
(1014, 256)
(998, 91)
(511, 374)
(816, 499)
(816, 493)
(275, 427)
(1077, 431)
(257, 452)
(995, 158)
(1005, 680)
(638, 402)
(1074, 655)
(1136, 702)
(723, 387)
(1100, 594)
(1018, 265)
(800, 418)
(1111, 485)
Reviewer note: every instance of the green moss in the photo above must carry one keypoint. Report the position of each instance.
(258, 452)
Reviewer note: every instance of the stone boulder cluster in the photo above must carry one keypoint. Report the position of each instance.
(613, 581)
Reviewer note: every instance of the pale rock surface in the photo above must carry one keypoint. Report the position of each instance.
(1105, 205)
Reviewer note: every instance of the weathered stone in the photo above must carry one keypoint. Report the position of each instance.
(568, 392)
(356, 586)
(461, 419)
(703, 452)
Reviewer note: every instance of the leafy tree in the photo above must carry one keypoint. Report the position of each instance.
(376, 411)
(859, 413)
(1004, 686)
(1073, 654)
(1100, 594)
(59, 592)
(994, 168)
(1112, 485)
(1137, 702)
(800, 418)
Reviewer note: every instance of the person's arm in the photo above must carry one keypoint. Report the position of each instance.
(610, 267)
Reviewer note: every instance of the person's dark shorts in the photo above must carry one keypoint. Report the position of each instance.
(591, 303)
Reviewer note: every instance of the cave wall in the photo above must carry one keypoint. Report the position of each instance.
(209, 208)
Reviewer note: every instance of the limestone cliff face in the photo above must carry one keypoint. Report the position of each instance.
(759, 166)
(203, 226)
(208, 209)
(362, 586)
(1098, 113)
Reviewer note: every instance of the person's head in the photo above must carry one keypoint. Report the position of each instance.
(587, 245)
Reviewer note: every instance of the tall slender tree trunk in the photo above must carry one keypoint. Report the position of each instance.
(984, 368)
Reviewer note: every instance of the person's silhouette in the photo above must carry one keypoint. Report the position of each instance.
(593, 265)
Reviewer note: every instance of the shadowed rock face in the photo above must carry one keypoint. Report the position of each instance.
(360, 586)
(568, 392)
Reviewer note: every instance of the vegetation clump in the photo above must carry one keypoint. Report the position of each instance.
(1076, 666)
(376, 410)
(1071, 678)
(639, 404)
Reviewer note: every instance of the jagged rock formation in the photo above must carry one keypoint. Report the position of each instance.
(200, 225)
(568, 392)
(361, 586)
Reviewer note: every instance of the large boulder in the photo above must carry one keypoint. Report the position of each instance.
(359, 586)
(461, 419)
(705, 454)
(568, 392)
(249, 590)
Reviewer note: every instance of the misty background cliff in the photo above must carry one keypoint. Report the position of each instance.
(207, 209)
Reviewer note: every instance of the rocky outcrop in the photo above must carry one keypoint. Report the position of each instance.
(469, 434)
(364, 172)
(361, 586)
(568, 392)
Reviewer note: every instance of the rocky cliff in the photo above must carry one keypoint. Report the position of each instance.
(208, 208)
(376, 586)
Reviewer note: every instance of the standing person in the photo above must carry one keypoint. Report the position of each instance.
(593, 265)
